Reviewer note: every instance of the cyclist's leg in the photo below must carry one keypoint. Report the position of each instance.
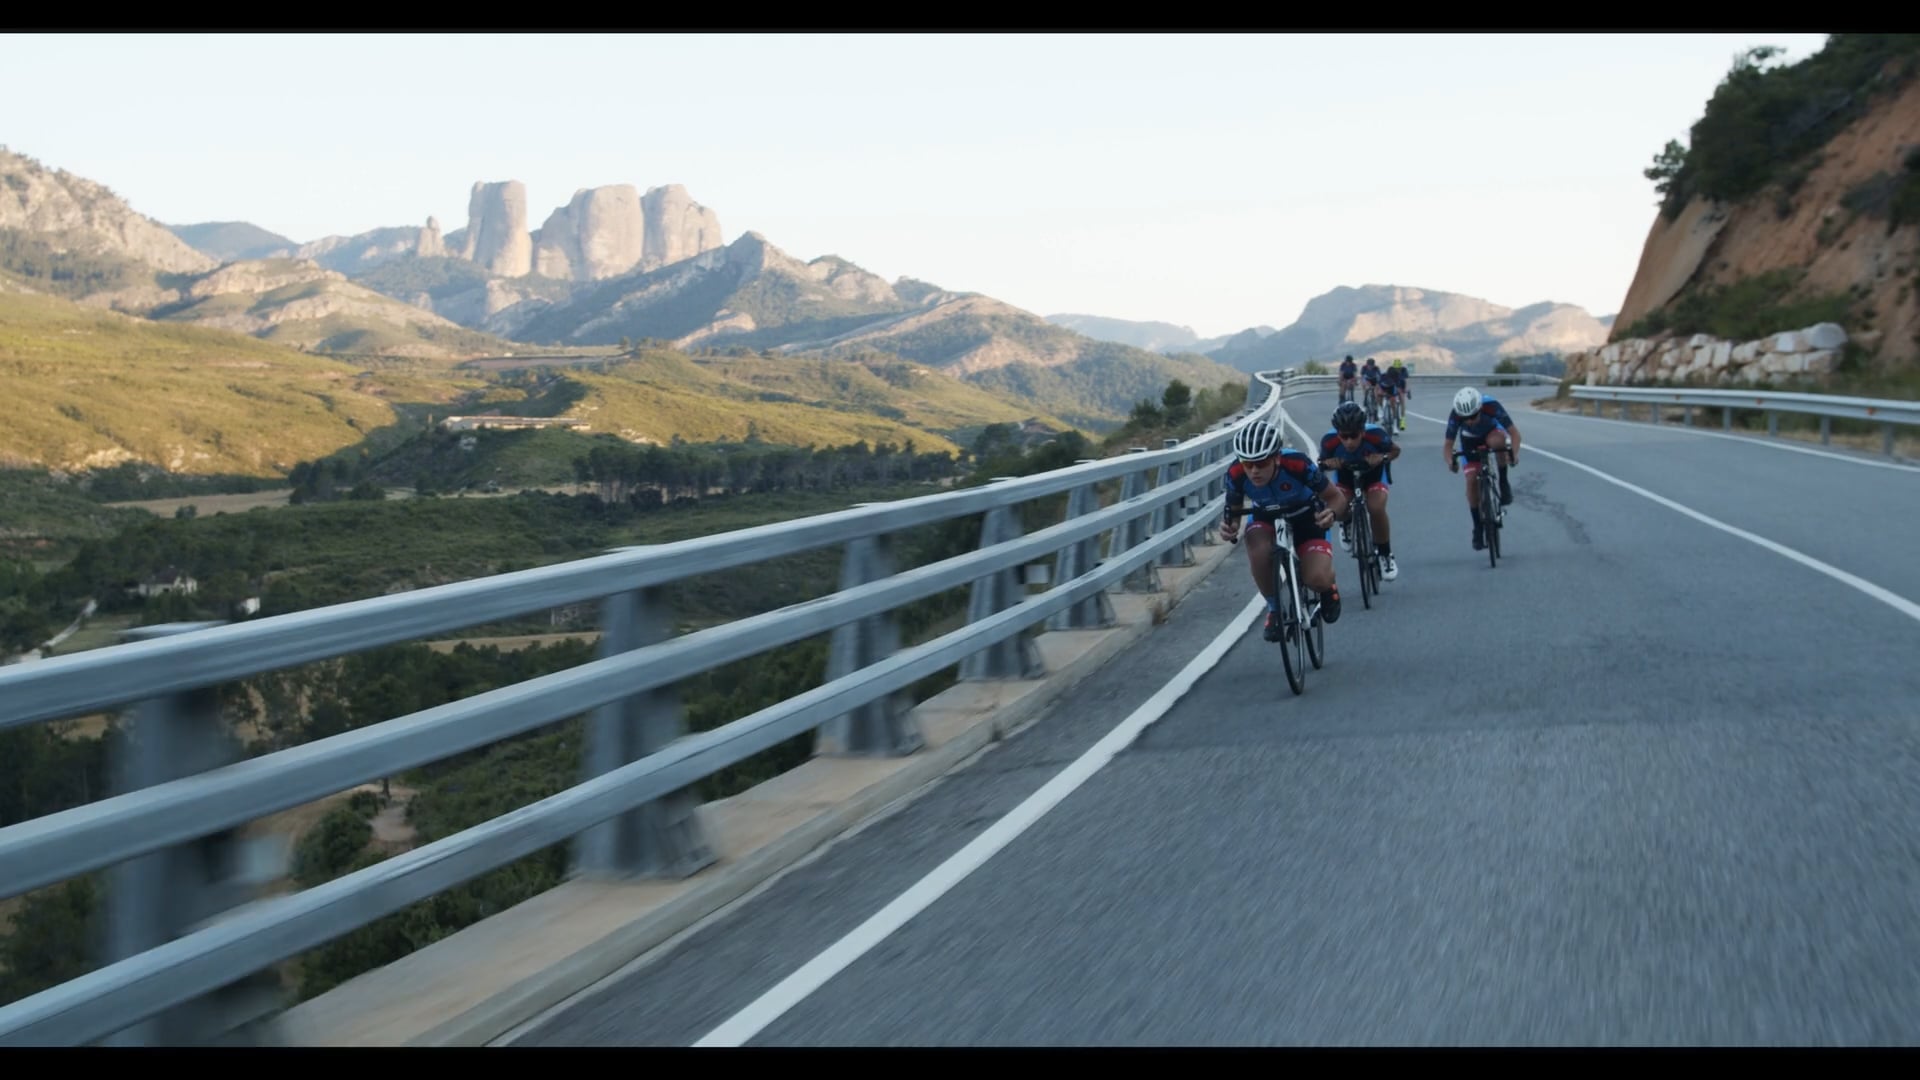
(1346, 521)
(1258, 536)
(1316, 565)
(1471, 470)
(1382, 531)
(1497, 439)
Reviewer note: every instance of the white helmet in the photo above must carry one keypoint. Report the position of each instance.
(1466, 402)
(1256, 442)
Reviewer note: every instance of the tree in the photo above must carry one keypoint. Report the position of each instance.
(1666, 167)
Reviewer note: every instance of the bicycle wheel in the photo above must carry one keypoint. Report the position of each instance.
(1315, 634)
(1490, 513)
(1362, 548)
(1290, 647)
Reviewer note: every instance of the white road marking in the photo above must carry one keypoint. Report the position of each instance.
(1892, 599)
(796, 987)
(1749, 440)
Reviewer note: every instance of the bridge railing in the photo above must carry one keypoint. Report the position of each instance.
(1828, 407)
(189, 954)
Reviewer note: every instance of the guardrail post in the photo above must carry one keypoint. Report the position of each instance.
(166, 894)
(1077, 558)
(1193, 502)
(663, 838)
(1169, 514)
(1016, 657)
(1886, 439)
(1687, 417)
(1146, 579)
(1726, 419)
(1773, 423)
(882, 728)
(1826, 431)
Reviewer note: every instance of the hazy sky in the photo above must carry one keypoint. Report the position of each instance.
(1213, 181)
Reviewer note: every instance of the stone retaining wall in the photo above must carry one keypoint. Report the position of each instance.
(1709, 361)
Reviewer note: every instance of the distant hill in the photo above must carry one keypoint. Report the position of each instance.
(231, 241)
(1434, 330)
(1151, 336)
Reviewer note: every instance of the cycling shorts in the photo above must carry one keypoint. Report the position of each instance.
(1308, 536)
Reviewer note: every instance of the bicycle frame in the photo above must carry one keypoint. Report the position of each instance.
(1360, 530)
(1303, 635)
(1493, 516)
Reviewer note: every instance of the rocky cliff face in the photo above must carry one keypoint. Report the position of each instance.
(600, 234)
(1830, 228)
(80, 215)
(677, 227)
(496, 236)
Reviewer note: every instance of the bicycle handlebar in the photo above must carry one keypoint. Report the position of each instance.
(1314, 507)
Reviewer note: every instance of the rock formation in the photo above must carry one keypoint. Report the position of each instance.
(496, 235)
(677, 227)
(600, 234)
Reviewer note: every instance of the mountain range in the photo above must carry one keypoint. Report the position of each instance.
(616, 271)
(1434, 330)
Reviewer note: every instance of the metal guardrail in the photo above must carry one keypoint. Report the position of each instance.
(188, 952)
(1828, 407)
(1486, 378)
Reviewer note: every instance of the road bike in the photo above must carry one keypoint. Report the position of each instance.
(1373, 403)
(1391, 414)
(1360, 534)
(1492, 515)
(1302, 633)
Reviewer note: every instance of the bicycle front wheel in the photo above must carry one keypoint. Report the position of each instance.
(1490, 514)
(1285, 598)
(1362, 533)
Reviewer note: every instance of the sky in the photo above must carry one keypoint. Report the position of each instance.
(1216, 182)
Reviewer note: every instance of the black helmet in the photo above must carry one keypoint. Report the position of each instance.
(1349, 418)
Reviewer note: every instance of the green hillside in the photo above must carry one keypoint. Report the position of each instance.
(794, 401)
(88, 388)
(1097, 388)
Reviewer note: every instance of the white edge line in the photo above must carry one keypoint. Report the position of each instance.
(1748, 440)
(795, 988)
(1892, 599)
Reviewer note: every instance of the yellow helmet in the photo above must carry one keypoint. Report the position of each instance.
(1398, 363)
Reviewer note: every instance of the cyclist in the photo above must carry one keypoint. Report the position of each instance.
(1394, 385)
(1347, 373)
(1481, 420)
(1370, 373)
(1353, 439)
(1282, 483)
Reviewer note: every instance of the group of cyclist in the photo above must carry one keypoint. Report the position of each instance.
(1383, 385)
(1268, 480)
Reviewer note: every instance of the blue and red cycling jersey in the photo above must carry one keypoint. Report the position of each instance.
(1292, 490)
(1491, 417)
(1374, 439)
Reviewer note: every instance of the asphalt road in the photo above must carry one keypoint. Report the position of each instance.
(1646, 782)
